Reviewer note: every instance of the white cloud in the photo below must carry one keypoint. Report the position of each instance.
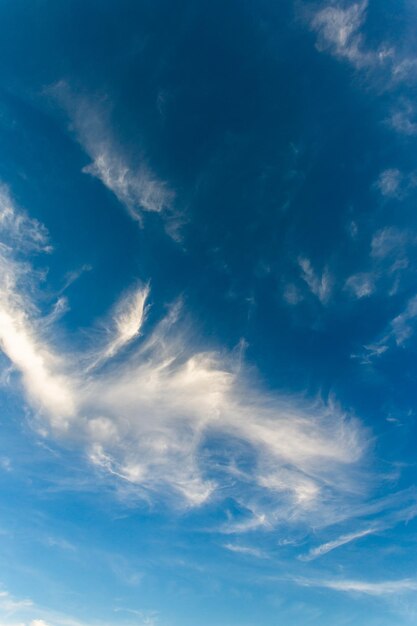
(401, 326)
(371, 351)
(389, 182)
(389, 241)
(144, 417)
(324, 548)
(392, 183)
(320, 285)
(398, 331)
(403, 119)
(17, 229)
(73, 276)
(292, 294)
(361, 285)
(126, 325)
(246, 550)
(137, 190)
(338, 30)
(9, 604)
(368, 588)
(136, 186)
(25, 612)
(18, 336)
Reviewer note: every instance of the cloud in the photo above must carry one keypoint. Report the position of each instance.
(368, 588)
(361, 285)
(392, 183)
(246, 550)
(320, 285)
(398, 331)
(9, 604)
(401, 326)
(25, 612)
(126, 324)
(389, 241)
(135, 185)
(18, 230)
(149, 409)
(403, 119)
(389, 182)
(138, 190)
(73, 276)
(338, 31)
(292, 294)
(324, 548)
(18, 337)
(371, 351)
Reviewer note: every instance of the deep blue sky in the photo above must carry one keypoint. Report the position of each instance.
(208, 308)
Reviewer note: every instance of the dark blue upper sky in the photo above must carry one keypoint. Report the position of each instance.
(208, 303)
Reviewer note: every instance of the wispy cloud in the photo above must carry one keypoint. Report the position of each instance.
(392, 183)
(9, 604)
(245, 550)
(389, 182)
(19, 338)
(134, 184)
(361, 285)
(126, 324)
(401, 325)
(324, 548)
(320, 285)
(400, 329)
(368, 588)
(18, 230)
(389, 241)
(338, 29)
(403, 119)
(73, 276)
(370, 352)
(148, 416)
(341, 31)
(25, 612)
(292, 294)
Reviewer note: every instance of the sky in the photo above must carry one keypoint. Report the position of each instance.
(208, 313)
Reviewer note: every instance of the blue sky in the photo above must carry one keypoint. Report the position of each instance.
(208, 313)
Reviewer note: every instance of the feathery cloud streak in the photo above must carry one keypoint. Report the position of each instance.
(144, 408)
(136, 186)
(324, 548)
(383, 588)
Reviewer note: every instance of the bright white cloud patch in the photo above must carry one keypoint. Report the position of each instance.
(150, 415)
